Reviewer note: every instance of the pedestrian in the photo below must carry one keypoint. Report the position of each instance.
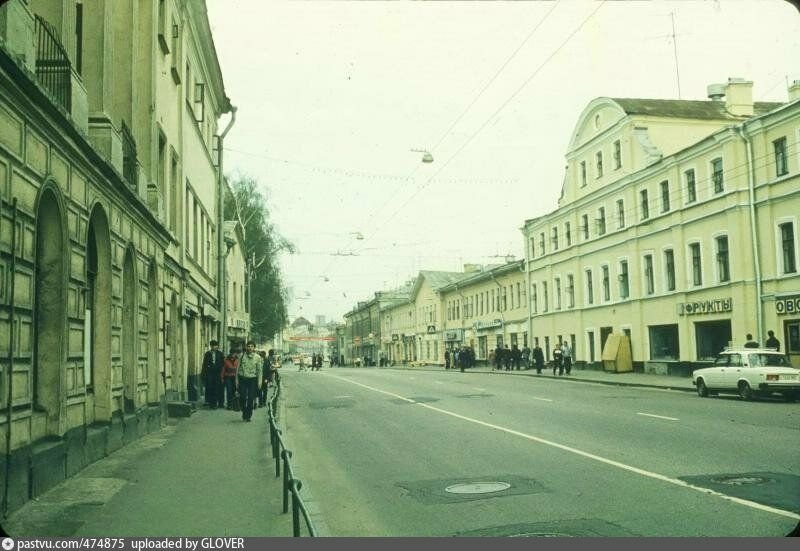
(538, 358)
(266, 377)
(211, 373)
(498, 357)
(526, 357)
(566, 357)
(772, 342)
(516, 357)
(557, 360)
(250, 366)
(447, 359)
(229, 369)
(507, 357)
(750, 342)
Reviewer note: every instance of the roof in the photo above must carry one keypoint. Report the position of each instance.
(300, 321)
(687, 109)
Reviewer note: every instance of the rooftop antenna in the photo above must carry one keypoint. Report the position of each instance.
(675, 51)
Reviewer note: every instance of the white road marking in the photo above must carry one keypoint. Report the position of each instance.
(611, 462)
(658, 416)
(542, 399)
(478, 388)
(342, 396)
(438, 382)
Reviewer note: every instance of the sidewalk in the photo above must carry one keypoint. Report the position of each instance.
(582, 375)
(207, 475)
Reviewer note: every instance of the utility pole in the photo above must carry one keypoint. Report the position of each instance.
(675, 52)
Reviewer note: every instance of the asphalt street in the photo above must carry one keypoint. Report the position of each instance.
(377, 451)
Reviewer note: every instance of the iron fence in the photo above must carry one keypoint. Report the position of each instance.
(53, 70)
(291, 484)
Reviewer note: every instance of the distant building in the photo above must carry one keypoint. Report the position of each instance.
(677, 226)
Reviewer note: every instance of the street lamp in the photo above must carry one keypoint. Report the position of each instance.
(426, 155)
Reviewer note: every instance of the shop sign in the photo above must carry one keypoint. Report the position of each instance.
(452, 335)
(787, 305)
(488, 324)
(431, 329)
(714, 306)
(395, 337)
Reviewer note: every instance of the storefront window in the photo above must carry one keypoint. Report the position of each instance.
(711, 338)
(664, 343)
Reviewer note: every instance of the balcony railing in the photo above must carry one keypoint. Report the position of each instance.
(53, 69)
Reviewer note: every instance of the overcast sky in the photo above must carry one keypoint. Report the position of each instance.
(333, 96)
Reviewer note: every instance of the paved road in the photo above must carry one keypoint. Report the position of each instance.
(377, 448)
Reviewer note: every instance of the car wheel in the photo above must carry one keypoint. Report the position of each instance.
(745, 391)
(702, 389)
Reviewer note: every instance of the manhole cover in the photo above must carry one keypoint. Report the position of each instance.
(741, 480)
(478, 488)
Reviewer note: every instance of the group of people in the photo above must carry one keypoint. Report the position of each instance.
(238, 377)
(513, 358)
(462, 358)
(772, 342)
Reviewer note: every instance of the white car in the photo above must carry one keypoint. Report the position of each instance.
(750, 372)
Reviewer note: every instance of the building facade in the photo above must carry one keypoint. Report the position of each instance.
(237, 281)
(107, 210)
(487, 308)
(677, 226)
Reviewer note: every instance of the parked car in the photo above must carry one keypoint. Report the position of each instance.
(750, 372)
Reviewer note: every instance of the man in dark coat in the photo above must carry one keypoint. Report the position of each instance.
(538, 358)
(213, 361)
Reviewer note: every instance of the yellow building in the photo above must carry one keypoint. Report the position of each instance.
(108, 244)
(237, 281)
(677, 225)
(487, 308)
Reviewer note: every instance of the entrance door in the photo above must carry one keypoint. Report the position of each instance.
(791, 335)
(604, 333)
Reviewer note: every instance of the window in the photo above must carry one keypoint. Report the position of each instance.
(624, 287)
(583, 173)
(554, 239)
(79, 38)
(664, 342)
(601, 221)
(519, 301)
(557, 292)
(649, 284)
(534, 298)
(162, 23)
(585, 226)
(716, 175)
(617, 155)
(570, 291)
(173, 195)
(787, 248)
(620, 213)
(606, 284)
(691, 187)
(643, 203)
(544, 296)
(589, 288)
(664, 196)
(599, 164)
(176, 54)
(723, 260)
(669, 267)
(541, 244)
(533, 247)
(494, 304)
(162, 162)
(697, 267)
(567, 233)
(781, 165)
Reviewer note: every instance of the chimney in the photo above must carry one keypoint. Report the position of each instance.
(715, 92)
(794, 91)
(739, 97)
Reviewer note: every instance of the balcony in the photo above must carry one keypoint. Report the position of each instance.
(53, 69)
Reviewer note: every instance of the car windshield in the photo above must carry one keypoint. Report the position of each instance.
(768, 360)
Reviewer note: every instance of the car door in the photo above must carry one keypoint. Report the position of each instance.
(713, 375)
(729, 375)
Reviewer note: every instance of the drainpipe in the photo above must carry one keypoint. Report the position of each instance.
(221, 249)
(9, 396)
(751, 180)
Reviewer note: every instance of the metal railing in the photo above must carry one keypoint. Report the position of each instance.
(53, 70)
(291, 484)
